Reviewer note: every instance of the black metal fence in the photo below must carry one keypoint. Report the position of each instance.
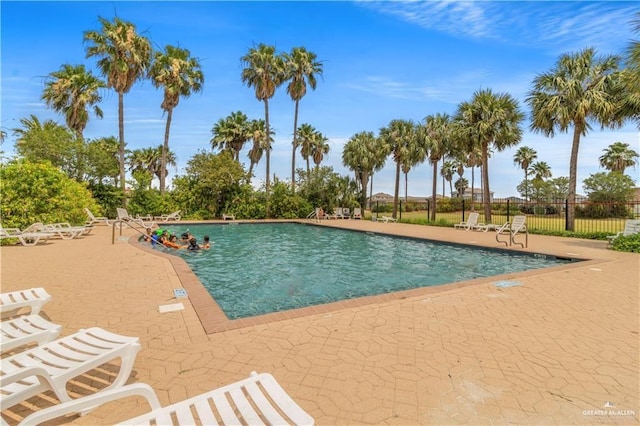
(549, 216)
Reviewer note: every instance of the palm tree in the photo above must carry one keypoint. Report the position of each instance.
(580, 89)
(523, 158)
(124, 56)
(397, 136)
(145, 159)
(447, 171)
(618, 156)
(179, 75)
(416, 155)
(493, 120)
(363, 155)
(264, 70)
(231, 133)
(631, 75)
(260, 143)
(540, 170)
(437, 130)
(301, 68)
(319, 148)
(306, 135)
(72, 91)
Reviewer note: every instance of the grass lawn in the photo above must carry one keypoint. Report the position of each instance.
(535, 223)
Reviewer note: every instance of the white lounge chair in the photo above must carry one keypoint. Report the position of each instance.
(169, 217)
(346, 213)
(125, 218)
(471, 223)
(92, 220)
(256, 400)
(631, 226)
(25, 238)
(228, 216)
(337, 214)
(387, 219)
(517, 226)
(33, 298)
(64, 231)
(357, 213)
(50, 366)
(27, 329)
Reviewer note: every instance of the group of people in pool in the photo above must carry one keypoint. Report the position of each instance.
(187, 240)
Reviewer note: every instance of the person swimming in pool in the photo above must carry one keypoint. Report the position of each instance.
(193, 244)
(206, 244)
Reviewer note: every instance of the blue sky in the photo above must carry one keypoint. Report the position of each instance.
(382, 61)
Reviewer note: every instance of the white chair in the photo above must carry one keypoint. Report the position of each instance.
(517, 226)
(65, 232)
(228, 216)
(256, 400)
(126, 219)
(357, 213)
(387, 219)
(471, 223)
(52, 365)
(24, 238)
(93, 219)
(33, 299)
(631, 226)
(346, 213)
(169, 217)
(27, 329)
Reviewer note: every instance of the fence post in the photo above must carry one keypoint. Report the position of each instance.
(428, 215)
(377, 210)
(508, 210)
(400, 215)
(462, 210)
(566, 214)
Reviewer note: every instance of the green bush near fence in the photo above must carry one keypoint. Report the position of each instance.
(629, 243)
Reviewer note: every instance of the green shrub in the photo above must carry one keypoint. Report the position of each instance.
(629, 243)
(40, 192)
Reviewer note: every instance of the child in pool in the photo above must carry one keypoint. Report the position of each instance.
(206, 244)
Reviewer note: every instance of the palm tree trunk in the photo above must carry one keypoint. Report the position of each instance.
(486, 198)
(121, 139)
(443, 180)
(165, 150)
(434, 189)
(364, 183)
(573, 169)
(473, 191)
(268, 153)
(293, 153)
(396, 191)
(406, 185)
(370, 191)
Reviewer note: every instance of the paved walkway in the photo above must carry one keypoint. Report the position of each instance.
(554, 350)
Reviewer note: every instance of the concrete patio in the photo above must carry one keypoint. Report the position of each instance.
(561, 348)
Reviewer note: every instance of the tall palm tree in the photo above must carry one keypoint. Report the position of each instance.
(631, 75)
(306, 135)
(447, 171)
(580, 89)
(231, 133)
(438, 135)
(180, 75)
(301, 69)
(145, 159)
(416, 155)
(474, 159)
(618, 156)
(363, 155)
(319, 148)
(260, 143)
(123, 58)
(523, 158)
(492, 119)
(264, 71)
(397, 136)
(71, 91)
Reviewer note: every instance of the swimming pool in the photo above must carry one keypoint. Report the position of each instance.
(253, 269)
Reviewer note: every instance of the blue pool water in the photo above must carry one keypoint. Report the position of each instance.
(254, 269)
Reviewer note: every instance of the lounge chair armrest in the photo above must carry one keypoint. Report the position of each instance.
(25, 372)
(87, 403)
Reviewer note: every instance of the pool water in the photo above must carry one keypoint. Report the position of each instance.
(253, 269)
